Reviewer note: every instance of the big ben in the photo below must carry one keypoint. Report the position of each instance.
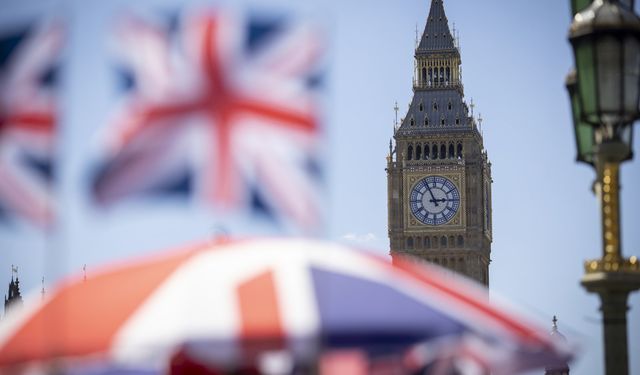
(438, 171)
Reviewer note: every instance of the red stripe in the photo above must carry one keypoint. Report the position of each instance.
(259, 308)
(35, 121)
(153, 114)
(260, 316)
(83, 317)
(211, 59)
(451, 289)
(291, 119)
(20, 199)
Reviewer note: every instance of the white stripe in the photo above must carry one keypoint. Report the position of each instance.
(296, 297)
(195, 302)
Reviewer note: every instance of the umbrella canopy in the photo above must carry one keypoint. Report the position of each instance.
(232, 300)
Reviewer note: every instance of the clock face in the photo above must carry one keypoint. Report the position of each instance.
(434, 200)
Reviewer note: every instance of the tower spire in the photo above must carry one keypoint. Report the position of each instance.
(437, 35)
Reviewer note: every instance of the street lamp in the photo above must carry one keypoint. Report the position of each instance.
(605, 93)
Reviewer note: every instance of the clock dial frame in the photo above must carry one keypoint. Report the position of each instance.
(434, 200)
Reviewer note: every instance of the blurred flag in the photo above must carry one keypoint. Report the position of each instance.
(221, 106)
(29, 61)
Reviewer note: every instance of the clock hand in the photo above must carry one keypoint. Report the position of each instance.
(433, 199)
(442, 200)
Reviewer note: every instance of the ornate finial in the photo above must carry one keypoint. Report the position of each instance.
(480, 119)
(390, 147)
(417, 40)
(396, 109)
(555, 323)
(84, 273)
(472, 105)
(14, 272)
(454, 32)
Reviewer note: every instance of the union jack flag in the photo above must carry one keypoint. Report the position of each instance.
(222, 106)
(28, 71)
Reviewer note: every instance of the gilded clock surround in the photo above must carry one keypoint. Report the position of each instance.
(456, 222)
(440, 136)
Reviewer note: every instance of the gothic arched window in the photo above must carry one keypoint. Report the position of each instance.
(410, 152)
(418, 152)
(452, 242)
(441, 74)
(443, 241)
(426, 152)
(460, 241)
(424, 75)
(427, 242)
(443, 152)
(426, 121)
(459, 150)
(434, 242)
(410, 242)
(448, 76)
(434, 152)
(451, 152)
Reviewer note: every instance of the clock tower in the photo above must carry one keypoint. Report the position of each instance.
(438, 172)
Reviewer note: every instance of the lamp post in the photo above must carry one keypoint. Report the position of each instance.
(605, 94)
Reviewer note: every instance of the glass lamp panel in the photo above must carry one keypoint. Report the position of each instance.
(631, 75)
(586, 80)
(585, 142)
(626, 136)
(584, 132)
(609, 70)
(578, 6)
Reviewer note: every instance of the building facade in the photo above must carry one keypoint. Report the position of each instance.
(14, 298)
(438, 171)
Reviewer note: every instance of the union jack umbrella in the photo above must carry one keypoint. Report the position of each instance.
(230, 301)
(28, 66)
(223, 106)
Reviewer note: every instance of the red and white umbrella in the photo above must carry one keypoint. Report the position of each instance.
(235, 299)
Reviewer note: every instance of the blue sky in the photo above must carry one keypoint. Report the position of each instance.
(514, 56)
